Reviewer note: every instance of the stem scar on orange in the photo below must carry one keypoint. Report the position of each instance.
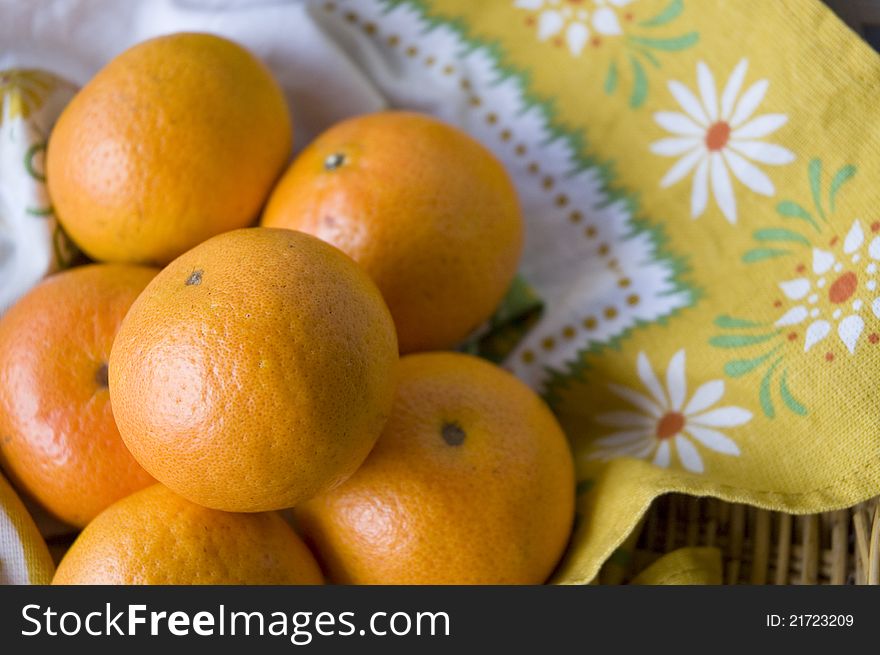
(58, 439)
(471, 482)
(428, 212)
(255, 371)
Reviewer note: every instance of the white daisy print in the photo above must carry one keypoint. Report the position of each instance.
(605, 19)
(842, 286)
(664, 424)
(716, 135)
(572, 22)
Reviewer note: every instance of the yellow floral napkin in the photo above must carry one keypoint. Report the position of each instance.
(700, 182)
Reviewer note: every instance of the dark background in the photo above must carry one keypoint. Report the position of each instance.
(861, 15)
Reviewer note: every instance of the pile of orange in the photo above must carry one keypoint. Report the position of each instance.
(169, 413)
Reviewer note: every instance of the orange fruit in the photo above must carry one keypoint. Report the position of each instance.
(59, 441)
(177, 139)
(255, 371)
(471, 482)
(427, 211)
(157, 537)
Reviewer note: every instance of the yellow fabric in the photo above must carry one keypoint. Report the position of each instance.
(685, 566)
(24, 557)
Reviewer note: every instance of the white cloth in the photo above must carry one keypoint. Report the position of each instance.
(73, 39)
(343, 57)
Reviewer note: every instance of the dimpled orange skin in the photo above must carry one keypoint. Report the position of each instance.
(177, 139)
(58, 440)
(255, 371)
(155, 537)
(428, 212)
(471, 482)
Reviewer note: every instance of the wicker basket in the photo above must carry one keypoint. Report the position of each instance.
(758, 546)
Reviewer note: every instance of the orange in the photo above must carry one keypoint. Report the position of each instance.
(428, 212)
(255, 371)
(177, 139)
(471, 482)
(157, 537)
(59, 441)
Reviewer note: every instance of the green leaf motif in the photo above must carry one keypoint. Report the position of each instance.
(730, 323)
(739, 367)
(640, 84)
(673, 44)
(41, 212)
(740, 340)
(667, 14)
(647, 54)
(789, 399)
(29, 157)
(814, 169)
(780, 234)
(760, 254)
(791, 209)
(841, 177)
(611, 78)
(764, 391)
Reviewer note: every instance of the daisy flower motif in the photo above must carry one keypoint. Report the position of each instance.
(663, 423)
(605, 19)
(718, 135)
(570, 22)
(841, 286)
